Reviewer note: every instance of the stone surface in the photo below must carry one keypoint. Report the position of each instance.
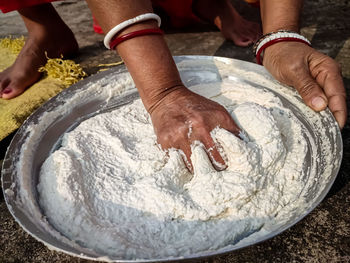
(322, 236)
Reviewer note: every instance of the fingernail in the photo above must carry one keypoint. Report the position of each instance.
(318, 103)
(6, 91)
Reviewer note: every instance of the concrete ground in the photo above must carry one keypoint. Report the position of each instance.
(323, 236)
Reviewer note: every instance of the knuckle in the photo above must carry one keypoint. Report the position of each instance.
(327, 66)
(181, 134)
(332, 66)
(306, 88)
(225, 119)
(198, 121)
(221, 112)
(172, 136)
(337, 72)
(210, 146)
(164, 139)
(202, 134)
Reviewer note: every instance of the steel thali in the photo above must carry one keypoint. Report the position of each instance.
(20, 175)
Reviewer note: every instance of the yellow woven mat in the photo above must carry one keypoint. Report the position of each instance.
(59, 74)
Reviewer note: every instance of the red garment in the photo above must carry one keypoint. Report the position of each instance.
(11, 5)
(179, 11)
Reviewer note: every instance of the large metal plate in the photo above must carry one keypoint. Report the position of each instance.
(19, 182)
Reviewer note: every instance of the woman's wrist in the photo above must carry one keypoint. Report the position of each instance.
(167, 95)
(274, 38)
(150, 64)
(281, 26)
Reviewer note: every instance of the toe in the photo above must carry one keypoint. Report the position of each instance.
(4, 82)
(11, 91)
(242, 42)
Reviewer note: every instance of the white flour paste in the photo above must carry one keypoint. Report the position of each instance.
(110, 188)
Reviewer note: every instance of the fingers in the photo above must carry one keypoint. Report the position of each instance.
(199, 155)
(328, 75)
(186, 145)
(316, 76)
(177, 139)
(326, 89)
(337, 105)
(233, 128)
(191, 119)
(310, 91)
(212, 150)
(318, 80)
(186, 153)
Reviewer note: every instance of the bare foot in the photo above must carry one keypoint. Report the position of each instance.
(46, 33)
(232, 25)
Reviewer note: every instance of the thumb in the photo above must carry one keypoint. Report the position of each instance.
(310, 91)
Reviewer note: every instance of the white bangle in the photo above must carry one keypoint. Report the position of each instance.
(280, 35)
(127, 23)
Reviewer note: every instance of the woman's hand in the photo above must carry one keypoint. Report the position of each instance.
(316, 76)
(183, 117)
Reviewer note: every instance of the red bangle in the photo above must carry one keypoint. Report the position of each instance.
(151, 31)
(274, 41)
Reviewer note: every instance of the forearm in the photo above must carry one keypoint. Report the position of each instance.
(151, 65)
(280, 14)
(147, 58)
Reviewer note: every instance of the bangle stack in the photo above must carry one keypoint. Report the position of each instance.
(276, 37)
(111, 42)
(151, 31)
